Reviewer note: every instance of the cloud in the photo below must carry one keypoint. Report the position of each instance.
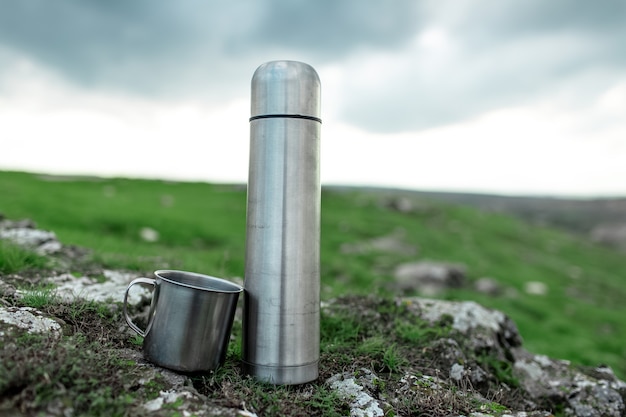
(132, 46)
(333, 28)
(477, 56)
(406, 65)
(487, 21)
(191, 47)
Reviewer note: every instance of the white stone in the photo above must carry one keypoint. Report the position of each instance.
(68, 287)
(29, 319)
(48, 248)
(466, 315)
(154, 405)
(149, 234)
(27, 237)
(456, 372)
(363, 404)
(543, 360)
(487, 285)
(166, 397)
(532, 369)
(43, 242)
(246, 413)
(536, 288)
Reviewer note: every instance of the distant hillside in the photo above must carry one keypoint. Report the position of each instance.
(601, 219)
(576, 215)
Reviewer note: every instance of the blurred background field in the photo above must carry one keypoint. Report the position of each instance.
(575, 310)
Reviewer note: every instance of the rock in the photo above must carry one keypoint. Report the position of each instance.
(110, 286)
(177, 396)
(407, 205)
(432, 395)
(6, 289)
(392, 243)
(17, 224)
(610, 234)
(28, 319)
(356, 390)
(149, 234)
(43, 242)
(457, 372)
(446, 353)
(24, 233)
(466, 316)
(401, 204)
(544, 382)
(489, 286)
(429, 278)
(167, 200)
(535, 288)
(578, 393)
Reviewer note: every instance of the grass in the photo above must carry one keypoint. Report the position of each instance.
(39, 297)
(75, 365)
(228, 387)
(81, 368)
(14, 258)
(109, 216)
(201, 227)
(350, 342)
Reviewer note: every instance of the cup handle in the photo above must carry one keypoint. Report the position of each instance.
(146, 281)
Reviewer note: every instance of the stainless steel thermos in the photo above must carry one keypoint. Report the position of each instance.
(282, 275)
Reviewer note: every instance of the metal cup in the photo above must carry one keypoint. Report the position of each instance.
(191, 316)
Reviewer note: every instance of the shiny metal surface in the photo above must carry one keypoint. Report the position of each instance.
(190, 321)
(285, 87)
(282, 279)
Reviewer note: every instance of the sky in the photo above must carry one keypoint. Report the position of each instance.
(516, 97)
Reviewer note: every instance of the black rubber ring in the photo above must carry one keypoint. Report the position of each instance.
(287, 116)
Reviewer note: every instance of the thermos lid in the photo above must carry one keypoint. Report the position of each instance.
(285, 88)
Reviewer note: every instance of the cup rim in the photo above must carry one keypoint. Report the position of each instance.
(236, 288)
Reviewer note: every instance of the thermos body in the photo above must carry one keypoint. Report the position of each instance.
(282, 274)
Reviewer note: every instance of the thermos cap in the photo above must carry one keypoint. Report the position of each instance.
(285, 88)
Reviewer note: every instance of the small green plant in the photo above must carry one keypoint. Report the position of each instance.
(372, 346)
(81, 307)
(502, 370)
(493, 408)
(387, 356)
(154, 387)
(39, 298)
(136, 340)
(393, 360)
(14, 258)
(419, 333)
(326, 403)
(175, 404)
(338, 330)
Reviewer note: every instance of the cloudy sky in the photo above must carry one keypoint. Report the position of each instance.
(508, 97)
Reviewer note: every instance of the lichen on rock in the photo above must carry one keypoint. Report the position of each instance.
(29, 320)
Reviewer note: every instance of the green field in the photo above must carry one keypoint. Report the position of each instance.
(201, 227)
